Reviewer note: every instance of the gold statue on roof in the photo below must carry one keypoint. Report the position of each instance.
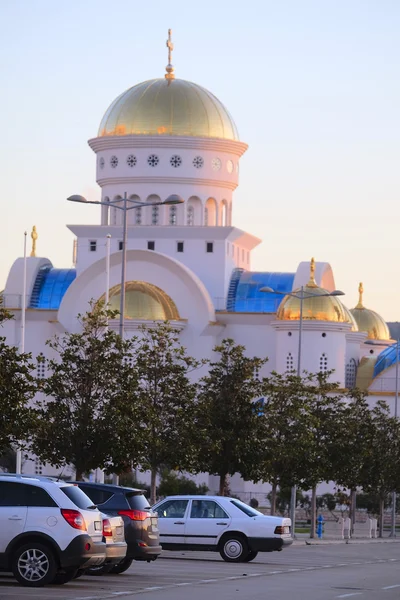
(34, 237)
(311, 282)
(360, 297)
(169, 68)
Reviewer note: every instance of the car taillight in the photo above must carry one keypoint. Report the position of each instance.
(107, 531)
(282, 529)
(74, 518)
(135, 515)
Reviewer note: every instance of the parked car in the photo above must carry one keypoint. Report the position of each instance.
(140, 521)
(48, 530)
(114, 537)
(221, 524)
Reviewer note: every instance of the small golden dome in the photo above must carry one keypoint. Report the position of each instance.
(369, 321)
(168, 107)
(143, 301)
(317, 306)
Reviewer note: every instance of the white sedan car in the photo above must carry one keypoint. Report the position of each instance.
(225, 525)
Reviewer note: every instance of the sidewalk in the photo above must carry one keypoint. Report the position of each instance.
(306, 541)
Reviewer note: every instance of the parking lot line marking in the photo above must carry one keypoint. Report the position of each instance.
(276, 572)
(391, 587)
(182, 584)
(156, 587)
(348, 595)
(207, 580)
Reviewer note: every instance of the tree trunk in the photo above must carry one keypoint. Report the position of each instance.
(381, 516)
(153, 489)
(313, 517)
(222, 485)
(78, 474)
(273, 498)
(353, 507)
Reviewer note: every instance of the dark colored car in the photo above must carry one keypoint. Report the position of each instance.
(141, 522)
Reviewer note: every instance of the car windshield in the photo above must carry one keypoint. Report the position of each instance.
(250, 512)
(74, 493)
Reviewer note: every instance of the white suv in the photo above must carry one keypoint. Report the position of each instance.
(48, 530)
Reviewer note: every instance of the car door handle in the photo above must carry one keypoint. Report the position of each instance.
(221, 523)
(15, 518)
(179, 522)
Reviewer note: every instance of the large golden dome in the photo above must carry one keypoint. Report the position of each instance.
(168, 107)
(143, 301)
(369, 321)
(317, 306)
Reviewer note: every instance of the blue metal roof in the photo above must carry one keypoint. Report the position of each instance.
(50, 287)
(244, 291)
(386, 359)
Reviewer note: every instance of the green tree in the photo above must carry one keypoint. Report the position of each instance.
(166, 396)
(17, 389)
(229, 415)
(381, 471)
(287, 432)
(172, 484)
(350, 444)
(90, 390)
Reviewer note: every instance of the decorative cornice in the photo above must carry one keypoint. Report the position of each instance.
(312, 325)
(134, 324)
(153, 141)
(230, 185)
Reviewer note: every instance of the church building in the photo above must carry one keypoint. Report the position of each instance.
(170, 150)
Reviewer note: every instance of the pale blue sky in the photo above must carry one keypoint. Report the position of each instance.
(313, 86)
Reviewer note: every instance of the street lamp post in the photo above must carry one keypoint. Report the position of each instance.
(301, 295)
(128, 204)
(396, 400)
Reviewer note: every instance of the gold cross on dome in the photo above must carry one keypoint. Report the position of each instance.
(169, 68)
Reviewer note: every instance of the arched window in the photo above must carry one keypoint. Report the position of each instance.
(224, 213)
(138, 215)
(351, 374)
(206, 216)
(190, 215)
(154, 215)
(289, 362)
(323, 363)
(172, 215)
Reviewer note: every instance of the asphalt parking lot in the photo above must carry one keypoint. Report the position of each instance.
(365, 571)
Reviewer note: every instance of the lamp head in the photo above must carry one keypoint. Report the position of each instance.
(173, 199)
(77, 198)
(337, 293)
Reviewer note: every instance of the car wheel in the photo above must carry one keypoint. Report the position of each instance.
(34, 565)
(64, 576)
(122, 566)
(234, 548)
(251, 556)
(100, 570)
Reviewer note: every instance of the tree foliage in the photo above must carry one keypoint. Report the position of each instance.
(84, 399)
(228, 414)
(166, 397)
(17, 389)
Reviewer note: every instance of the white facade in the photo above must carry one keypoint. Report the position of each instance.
(195, 255)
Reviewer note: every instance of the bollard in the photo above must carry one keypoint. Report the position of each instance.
(320, 521)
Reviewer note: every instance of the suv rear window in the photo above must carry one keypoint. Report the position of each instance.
(78, 497)
(96, 496)
(137, 501)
